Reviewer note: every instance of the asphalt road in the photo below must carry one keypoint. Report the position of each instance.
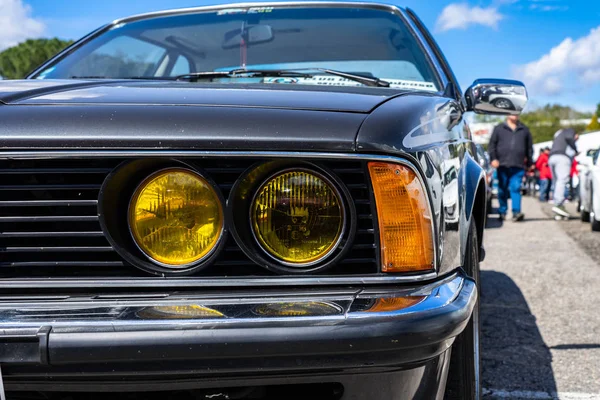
(540, 306)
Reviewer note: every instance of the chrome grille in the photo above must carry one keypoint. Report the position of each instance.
(49, 224)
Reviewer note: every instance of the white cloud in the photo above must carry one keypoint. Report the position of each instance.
(17, 24)
(546, 8)
(567, 65)
(461, 16)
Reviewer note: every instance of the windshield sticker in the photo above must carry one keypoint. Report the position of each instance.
(232, 11)
(414, 85)
(280, 79)
(253, 10)
(328, 80)
(260, 10)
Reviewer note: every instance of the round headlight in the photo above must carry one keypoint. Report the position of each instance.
(176, 217)
(298, 217)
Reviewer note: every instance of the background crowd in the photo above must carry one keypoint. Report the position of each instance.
(553, 173)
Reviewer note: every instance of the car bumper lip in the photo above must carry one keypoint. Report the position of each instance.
(99, 330)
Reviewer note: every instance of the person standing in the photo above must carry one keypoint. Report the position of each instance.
(511, 152)
(563, 151)
(545, 174)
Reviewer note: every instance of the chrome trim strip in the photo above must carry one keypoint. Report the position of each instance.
(42, 154)
(199, 282)
(228, 282)
(121, 315)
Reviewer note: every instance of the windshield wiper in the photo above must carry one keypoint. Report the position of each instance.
(296, 73)
(365, 80)
(242, 73)
(153, 78)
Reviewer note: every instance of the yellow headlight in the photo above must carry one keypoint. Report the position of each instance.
(297, 217)
(176, 217)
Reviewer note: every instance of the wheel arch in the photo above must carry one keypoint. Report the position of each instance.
(475, 203)
(479, 213)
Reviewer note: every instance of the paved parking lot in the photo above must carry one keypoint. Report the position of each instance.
(541, 308)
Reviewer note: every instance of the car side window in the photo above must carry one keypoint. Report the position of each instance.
(123, 56)
(182, 66)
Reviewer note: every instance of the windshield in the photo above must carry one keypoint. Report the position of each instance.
(362, 41)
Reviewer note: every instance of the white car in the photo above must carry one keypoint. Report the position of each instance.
(584, 169)
(450, 194)
(590, 204)
(508, 98)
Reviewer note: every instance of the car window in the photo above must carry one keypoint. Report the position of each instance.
(120, 56)
(365, 41)
(182, 66)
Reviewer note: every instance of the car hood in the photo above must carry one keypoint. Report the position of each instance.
(99, 92)
(55, 114)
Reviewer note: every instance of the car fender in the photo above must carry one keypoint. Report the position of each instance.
(584, 190)
(595, 189)
(472, 184)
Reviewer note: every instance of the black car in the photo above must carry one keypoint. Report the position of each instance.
(243, 201)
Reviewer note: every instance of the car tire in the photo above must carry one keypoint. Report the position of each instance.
(585, 216)
(464, 381)
(503, 103)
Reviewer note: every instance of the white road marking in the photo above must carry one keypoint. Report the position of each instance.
(527, 394)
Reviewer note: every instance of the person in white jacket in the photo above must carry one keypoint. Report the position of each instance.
(564, 149)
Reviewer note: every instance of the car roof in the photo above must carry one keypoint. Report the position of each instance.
(192, 10)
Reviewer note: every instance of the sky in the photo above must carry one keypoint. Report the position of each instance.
(553, 46)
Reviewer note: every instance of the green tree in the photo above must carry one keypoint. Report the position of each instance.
(544, 122)
(16, 62)
(593, 125)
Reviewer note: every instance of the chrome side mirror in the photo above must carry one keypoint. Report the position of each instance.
(496, 96)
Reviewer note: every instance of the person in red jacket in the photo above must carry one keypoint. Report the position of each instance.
(545, 174)
(572, 189)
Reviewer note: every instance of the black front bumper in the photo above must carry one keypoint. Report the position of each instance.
(120, 343)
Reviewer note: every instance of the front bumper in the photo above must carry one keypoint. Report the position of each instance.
(120, 342)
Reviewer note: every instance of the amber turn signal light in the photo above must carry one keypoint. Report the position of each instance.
(405, 226)
(395, 303)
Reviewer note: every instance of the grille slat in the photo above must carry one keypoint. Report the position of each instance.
(358, 261)
(50, 218)
(48, 203)
(49, 225)
(51, 234)
(90, 249)
(28, 171)
(82, 186)
(62, 263)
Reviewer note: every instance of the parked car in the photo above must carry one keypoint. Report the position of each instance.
(244, 201)
(507, 98)
(588, 171)
(584, 170)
